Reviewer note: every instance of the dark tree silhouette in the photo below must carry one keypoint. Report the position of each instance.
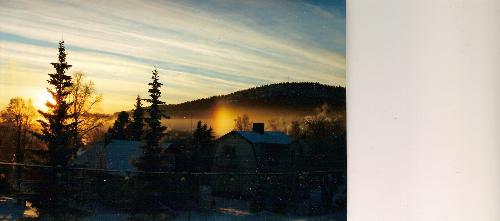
(295, 130)
(56, 131)
(54, 194)
(135, 128)
(203, 138)
(151, 189)
(151, 159)
(303, 97)
(118, 131)
(326, 138)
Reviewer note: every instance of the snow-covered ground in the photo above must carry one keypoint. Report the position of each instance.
(9, 210)
(267, 216)
(227, 210)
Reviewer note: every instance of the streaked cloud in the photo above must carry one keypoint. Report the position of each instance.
(202, 48)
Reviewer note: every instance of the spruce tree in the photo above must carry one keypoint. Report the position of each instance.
(136, 127)
(118, 131)
(151, 190)
(54, 194)
(56, 131)
(150, 160)
(203, 137)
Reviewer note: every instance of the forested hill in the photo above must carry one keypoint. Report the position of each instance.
(303, 97)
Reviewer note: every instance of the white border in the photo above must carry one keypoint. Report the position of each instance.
(423, 84)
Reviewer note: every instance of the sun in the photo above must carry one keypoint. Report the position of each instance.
(41, 98)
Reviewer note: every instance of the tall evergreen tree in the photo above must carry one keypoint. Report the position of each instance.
(56, 129)
(151, 190)
(53, 195)
(151, 160)
(136, 127)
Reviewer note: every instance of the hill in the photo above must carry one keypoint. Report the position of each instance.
(301, 97)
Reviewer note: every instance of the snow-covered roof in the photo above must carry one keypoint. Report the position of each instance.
(117, 155)
(268, 137)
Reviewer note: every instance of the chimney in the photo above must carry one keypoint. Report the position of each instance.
(258, 127)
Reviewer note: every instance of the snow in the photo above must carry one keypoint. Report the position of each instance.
(117, 155)
(265, 215)
(10, 210)
(268, 137)
(230, 210)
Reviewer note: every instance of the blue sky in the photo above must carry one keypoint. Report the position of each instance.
(201, 48)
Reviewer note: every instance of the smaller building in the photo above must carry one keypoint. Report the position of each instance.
(116, 156)
(240, 153)
(117, 160)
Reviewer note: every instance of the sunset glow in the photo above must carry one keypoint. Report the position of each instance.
(164, 109)
(41, 98)
(223, 120)
(200, 48)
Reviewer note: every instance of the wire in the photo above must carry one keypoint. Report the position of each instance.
(174, 173)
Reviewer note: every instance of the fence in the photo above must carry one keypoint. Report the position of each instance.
(178, 192)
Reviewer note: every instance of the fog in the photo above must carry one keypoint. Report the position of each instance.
(221, 119)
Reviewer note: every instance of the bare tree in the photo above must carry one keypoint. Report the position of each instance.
(20, 115)
(242, 123)
(277, 125)
(294, 129)
(273, 125)
(85, 102)
(320, 124)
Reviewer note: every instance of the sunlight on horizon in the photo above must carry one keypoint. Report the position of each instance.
(41, 98)
(223, 120)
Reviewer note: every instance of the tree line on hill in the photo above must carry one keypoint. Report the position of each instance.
(298, 96)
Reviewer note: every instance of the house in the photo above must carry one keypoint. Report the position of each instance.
(240, 156)
(116, 157)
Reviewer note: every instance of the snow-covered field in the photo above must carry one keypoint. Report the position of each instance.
(227, 210)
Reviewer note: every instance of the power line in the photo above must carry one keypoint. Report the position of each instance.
(172, 173)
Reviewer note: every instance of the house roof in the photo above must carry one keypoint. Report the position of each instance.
(268, 137)
(118, 155)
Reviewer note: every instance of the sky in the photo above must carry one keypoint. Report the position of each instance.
(201, 48)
